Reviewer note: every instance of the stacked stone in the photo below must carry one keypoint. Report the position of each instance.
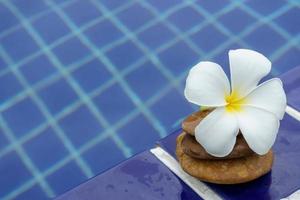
(241, 165)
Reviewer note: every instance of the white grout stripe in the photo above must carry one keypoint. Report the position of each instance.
(293, 112)
(294, 196)
(198, 186)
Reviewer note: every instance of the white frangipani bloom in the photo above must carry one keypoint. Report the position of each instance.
(254, 109)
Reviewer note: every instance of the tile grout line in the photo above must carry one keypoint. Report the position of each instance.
(271, 24)
(157, 125)
(19, 149)
(122, 82)
(153, 55)
(90, 104)
(136, 41)
(219, 26)
(67, 37)
(165, 46)
(67, 143)
(172, 27)
(276, 55)
(42, 84)
(26, 160)
(94, 141)
(125, 72)
(69, 109)
(54, 45)
(134, 98)
(88, 25)
(33, 18)
(265, 20)
(176, 31)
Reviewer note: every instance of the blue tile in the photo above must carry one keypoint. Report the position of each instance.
(139, 129)
(186, 18)
(3, 140)
(71, 51)
(59, 1)
(265, 40)
(50, 27)
(289, 20)
(30, 7)
(237, 20)
(19, 44)
(37, 69)
(17, 117)
(9, 86)
(11, 167)
(213, 6)
(66, 178)
(146, 81)
(114, 108)
(156, 35)
(35, 192)
(164, 5)
(130, 19)
(264, 7)
(57, 96)
(91, 75)
(169, 113)
(112, 4)
(178, 58)
(222, 57)
(208, 38)
(3, 64)
(82, 12)
(124, 55)
(103, 33)
(8, 19)
(80, 126)
(45, 150)
(110, 156)
(142, 177)
(288, 60)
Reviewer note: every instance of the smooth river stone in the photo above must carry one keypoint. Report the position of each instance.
(193, 149)
(189, 124)
(230, 171)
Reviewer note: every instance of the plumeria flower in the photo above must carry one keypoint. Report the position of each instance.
(244, 105)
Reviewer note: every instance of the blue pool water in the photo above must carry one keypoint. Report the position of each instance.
(87, 84)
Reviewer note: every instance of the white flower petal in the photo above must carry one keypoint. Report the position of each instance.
(259, 128)
(207, 85)
(247, 68)
(217, 132)
(269, 96)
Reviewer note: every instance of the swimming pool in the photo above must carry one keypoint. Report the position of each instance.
(87, 84)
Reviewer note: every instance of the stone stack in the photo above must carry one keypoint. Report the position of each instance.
(241, 165)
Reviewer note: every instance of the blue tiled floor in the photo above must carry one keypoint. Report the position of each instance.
(18, 45)
(82, 80)
(23, 116)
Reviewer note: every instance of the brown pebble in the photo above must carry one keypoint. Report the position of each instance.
(189, 124)
(192, 148)
(231, 171)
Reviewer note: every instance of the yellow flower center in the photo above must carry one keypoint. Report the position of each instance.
(234, 102)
